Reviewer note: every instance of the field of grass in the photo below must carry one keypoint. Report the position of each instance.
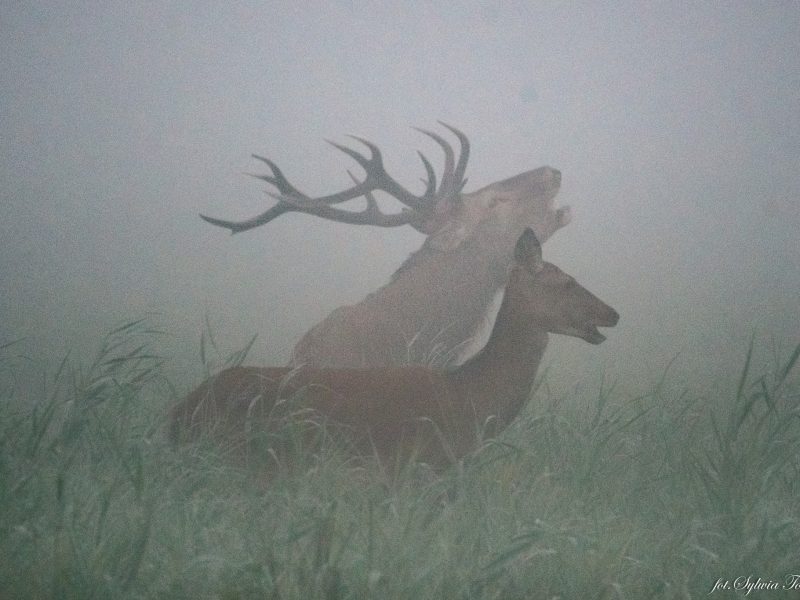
(659, 496)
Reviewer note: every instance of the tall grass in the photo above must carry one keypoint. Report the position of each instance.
(657, 496)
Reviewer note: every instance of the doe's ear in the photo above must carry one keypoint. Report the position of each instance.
(528, 251)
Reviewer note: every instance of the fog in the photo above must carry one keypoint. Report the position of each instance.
(676, 127)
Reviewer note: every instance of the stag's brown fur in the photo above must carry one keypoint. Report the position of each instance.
(438, 299)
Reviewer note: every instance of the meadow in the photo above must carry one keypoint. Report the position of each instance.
(670, 494)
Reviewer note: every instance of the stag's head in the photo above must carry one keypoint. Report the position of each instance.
(553, 300)
(529, 191)
(441, 211)
(509, 205)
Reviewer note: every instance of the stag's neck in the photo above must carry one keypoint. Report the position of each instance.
(439, 298)
(497, 381)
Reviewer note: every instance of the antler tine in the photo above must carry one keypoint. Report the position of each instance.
(374, 162)
(430, 183)
(372, 203)
(373, 208)
(286, 189)
(239, 226)
(377, 177)
(278, 179)
(448, 183)
(463, 157)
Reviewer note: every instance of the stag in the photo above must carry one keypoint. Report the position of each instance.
(438, 299)
(435, 416)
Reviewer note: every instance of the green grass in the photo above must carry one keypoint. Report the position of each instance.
(606, 497)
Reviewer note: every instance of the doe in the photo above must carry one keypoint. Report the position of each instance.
(397, 413)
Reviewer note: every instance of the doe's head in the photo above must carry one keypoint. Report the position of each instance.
(551, 299)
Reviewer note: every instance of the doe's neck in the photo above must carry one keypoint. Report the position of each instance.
(497, 380)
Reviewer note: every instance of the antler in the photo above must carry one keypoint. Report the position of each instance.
(418, 208)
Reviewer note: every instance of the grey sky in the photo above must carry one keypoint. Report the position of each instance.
(676, 126)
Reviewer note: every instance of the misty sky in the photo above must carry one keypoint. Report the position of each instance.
(676, 127)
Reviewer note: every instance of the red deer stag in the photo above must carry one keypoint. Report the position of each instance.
(400, 412)
(438, 299)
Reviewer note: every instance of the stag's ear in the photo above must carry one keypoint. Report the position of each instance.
(528, 251)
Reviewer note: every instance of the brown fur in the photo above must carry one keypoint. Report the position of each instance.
(437, 300)
(399, 412)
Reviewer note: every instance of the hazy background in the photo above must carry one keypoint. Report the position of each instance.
(676, 127)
